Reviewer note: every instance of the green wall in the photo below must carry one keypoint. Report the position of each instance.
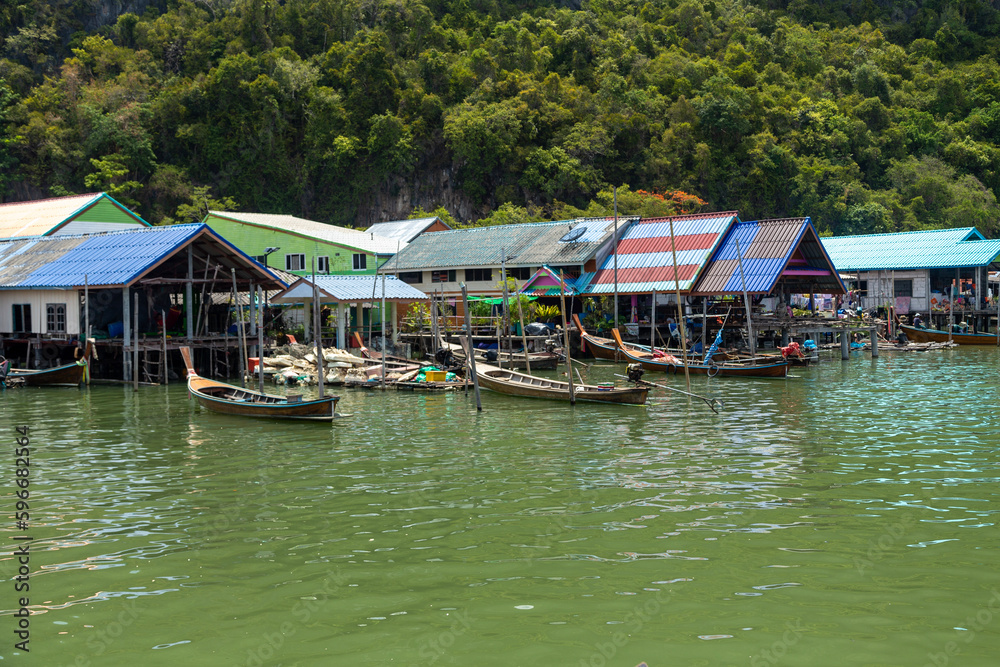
(105, 210)
(252, 240)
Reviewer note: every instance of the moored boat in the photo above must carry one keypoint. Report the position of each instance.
(761, 368)
(67, 375)
(938, 336)
(231, 400)
(512, 383)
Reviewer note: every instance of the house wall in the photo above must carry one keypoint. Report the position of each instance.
(39, 299)
(454, 288)
(252, 240)
(880, 288)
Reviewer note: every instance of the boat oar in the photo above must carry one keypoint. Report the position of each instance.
(710, 402)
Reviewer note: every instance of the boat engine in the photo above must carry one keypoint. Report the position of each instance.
(445, 358)
(634, 373)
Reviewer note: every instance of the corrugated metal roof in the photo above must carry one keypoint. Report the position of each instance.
(111, 259)
(36, 218)
(353, 238)
(529, 244)
(784, 249)
(403, 231)
(352, 288)
(645, 253)
(932, 249)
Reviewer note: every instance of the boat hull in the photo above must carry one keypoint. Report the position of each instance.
(601, 348)
(775, 369)
(230, 400)
(69, 375)
(511, 383)
(936, 336)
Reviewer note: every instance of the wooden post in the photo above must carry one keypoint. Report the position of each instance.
(382, 317)
(135, 345)
(86, 309)
(469, 355)
(652, 324)
(189, 294)
(318, 325)
(680, 312)
(201, 300)
(874, 337)
(241, 344)
(614, 252)
(260, 342)
(524, 337)
(126, 335)
(163, 364)
(951, 309)
(845, 345)
(569, 362)
(704, 324)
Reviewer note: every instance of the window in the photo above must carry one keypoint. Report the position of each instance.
(863, 287)
(481, 275)
(902, 288)
(323, 264)
(55, 317)
(295, 262)
(412, 277)
(519, 272)
(447, 276)
(360, 262)
(22, 318)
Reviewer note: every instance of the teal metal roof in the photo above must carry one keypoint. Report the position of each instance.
(933, 249)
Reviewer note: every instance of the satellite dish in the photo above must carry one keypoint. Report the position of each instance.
(573, 234)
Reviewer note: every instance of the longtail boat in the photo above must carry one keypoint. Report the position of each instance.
(601, 348)
(512, 383)
(938, 336)
(670, 364)
(67, 375)
(230, 400)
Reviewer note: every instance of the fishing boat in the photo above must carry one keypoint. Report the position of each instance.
(230, 400)
(666, 363)
(938, 336)
(601, 348)
(67, 375)
(512, 383)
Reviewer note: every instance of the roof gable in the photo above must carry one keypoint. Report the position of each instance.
(43, 217)
(756, 255)
(318, 231)
(405, 231)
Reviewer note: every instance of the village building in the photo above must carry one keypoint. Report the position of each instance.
(440, 262)
(54, 290)
(64, 216)
(932, 272)
(404, 231)
(301, 246)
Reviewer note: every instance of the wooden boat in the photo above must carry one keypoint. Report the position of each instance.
(938, 336)
(670, 364)
(67, 375)
(512, 383)
(601, 348)
(230, 400)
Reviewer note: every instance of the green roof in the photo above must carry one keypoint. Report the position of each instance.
(934, 249)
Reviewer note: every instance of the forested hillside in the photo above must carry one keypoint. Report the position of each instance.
(868, 116)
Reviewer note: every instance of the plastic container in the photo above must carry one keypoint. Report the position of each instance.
(435, 376)
(116, 329)
(252, 363)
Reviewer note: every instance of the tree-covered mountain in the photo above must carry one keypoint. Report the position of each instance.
(868, 116)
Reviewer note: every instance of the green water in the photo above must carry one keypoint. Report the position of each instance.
(845, 516)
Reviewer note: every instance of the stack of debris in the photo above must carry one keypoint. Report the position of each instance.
(295, 364)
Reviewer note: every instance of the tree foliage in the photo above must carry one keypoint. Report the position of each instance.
(865, 116)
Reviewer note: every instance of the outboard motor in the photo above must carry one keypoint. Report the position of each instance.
(635, 372)
(444, 357)
(491, 356)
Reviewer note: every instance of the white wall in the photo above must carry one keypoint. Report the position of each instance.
(880, 288)
(38, 300)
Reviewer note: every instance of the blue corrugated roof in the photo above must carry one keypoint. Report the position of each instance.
(932, 249)
(115, 258)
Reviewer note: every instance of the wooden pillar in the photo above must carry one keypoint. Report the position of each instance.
(361, 320)
(126, 334)
(845, 345)
(307, 319)
(874, 337)
(394, 313)
(189, 294)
